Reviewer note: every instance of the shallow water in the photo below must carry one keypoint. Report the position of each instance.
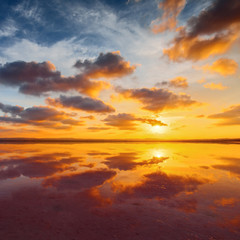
(120, 191)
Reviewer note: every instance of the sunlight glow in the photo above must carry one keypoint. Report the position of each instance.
(158, 129)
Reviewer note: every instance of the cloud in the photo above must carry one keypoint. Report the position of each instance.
(230, 116)
(126, 121)
(220, 16)
(215, 86)
(81, 181)
(153, 122)
(109, 65)
(81, 103)
(212, 32)
(36, 166)
(8, 29)
(38, 116)
(168, 21)
(194, 48)
(178, 82)
(123, 121)
(157, 99)
(223, 66)
(40, 78)
(13, 110)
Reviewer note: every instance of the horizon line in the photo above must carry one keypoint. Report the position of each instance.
(81, 140)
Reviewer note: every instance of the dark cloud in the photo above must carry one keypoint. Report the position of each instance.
(81, 181)
(36, 166)
(157, 99)
(13, 110)
(81, 103)
(38, 116)
(20, 72)
(40, 78)
(218, 17)
(109, 65)
(126, 121)
(220, 22)
(230, 116)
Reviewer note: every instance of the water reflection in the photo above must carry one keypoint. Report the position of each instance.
(120, 191)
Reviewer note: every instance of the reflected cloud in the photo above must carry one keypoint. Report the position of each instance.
(80, 181)
(127, 161)
(37, 166)
(123, 161)
(159, 185)
(71, 202)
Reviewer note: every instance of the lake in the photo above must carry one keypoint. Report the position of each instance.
(180, 191)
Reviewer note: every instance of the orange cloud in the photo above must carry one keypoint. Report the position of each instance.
(180, 82)
(168, 21)
(196, 48)
(215, 86)
(212, 32)
(223, 66)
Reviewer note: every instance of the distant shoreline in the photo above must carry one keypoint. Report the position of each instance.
(76, 140)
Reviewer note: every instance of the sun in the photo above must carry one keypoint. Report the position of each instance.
(158, 129)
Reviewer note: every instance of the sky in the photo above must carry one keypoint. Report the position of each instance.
(126, 69)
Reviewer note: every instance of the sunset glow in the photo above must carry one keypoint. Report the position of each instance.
(117, 73)
(120, 120)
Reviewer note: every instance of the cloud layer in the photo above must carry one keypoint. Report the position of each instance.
(38, 116)
(157, 99)
(81, 103)
(39, 78)
(127, 121)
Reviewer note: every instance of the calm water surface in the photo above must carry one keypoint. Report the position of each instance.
(120, 191)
